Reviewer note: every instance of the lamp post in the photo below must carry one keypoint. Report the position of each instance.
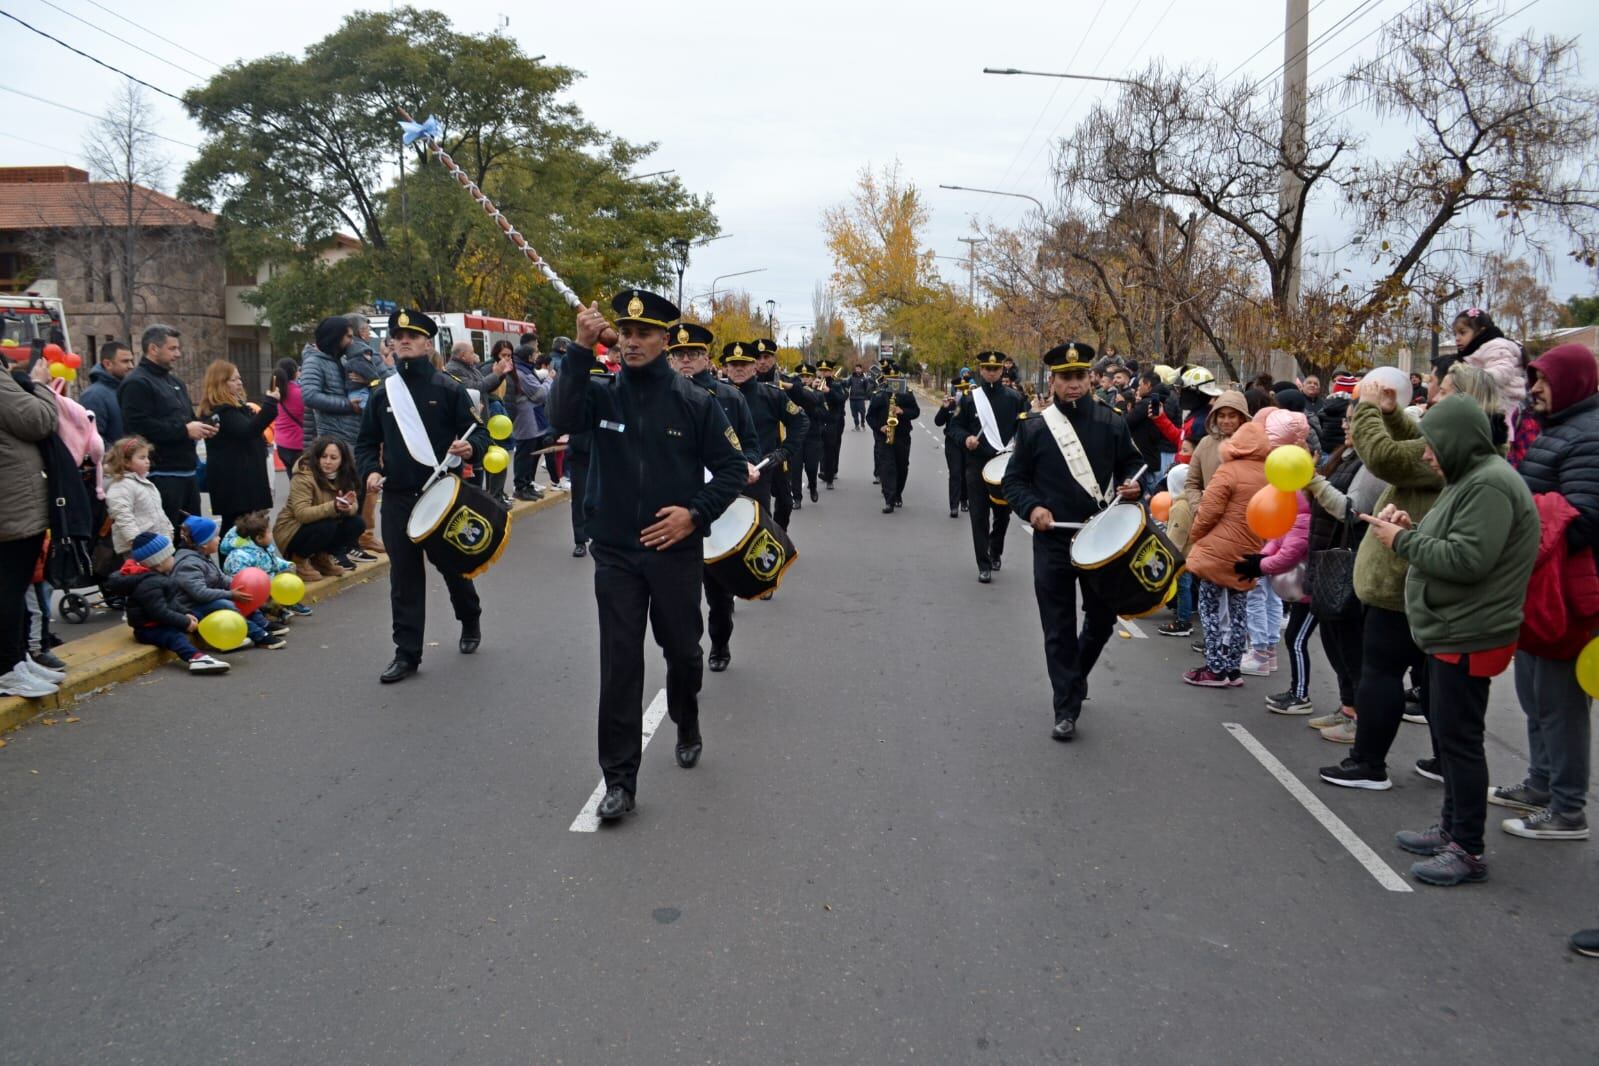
(771, 316)
(971, 265)
(1073, 77)
(996, 192)
(680, 247)
(724, 277)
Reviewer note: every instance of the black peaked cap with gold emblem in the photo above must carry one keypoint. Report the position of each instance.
(766, 346)
(406, 320)
(805, 370)
(1073, 355)
(688, 336)
(826, 364)
(992, 360)
(638, 307)
(737, 352)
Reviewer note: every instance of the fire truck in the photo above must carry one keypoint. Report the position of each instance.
(483, 331)
(27, 318)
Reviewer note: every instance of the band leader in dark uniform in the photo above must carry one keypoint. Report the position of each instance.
(891, 450)
(690, 350)
(835, 400)
(654, 436)
(983, 425)
(1064, 457)
(445, 415)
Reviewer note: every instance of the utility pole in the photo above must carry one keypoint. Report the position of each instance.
(1296, 61)
(971, 265)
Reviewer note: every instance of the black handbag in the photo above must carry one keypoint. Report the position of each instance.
(69, 563)
(1332, 581)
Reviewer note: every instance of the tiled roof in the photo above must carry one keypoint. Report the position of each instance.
(41, 205)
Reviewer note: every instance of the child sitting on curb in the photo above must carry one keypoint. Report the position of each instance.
(145, 584)
(249, 543)
(202, 588)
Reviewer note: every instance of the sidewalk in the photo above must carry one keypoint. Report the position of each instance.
(111, 656)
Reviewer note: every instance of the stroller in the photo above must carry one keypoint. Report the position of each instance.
(80, 575)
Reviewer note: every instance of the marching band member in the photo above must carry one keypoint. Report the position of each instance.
(413, 417)
(785, 482)
(779, 423)
(891, 448)
(983, 425)
(835, 398)
(654, 435)
(690, 350)
(1064, 458)
(804, 472)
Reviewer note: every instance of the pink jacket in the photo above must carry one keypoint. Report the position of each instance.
(288, 429)
(1282, 554)
(76, 429)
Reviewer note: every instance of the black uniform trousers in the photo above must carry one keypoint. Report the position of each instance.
(857, 410)
(635, 587)
(832, 444)
(1069, 655)
(893, 462)
(955, 459)
(577, 468)
(718, 614)
(990, 520)
(780, 488)
(803, 469)
(408, 579)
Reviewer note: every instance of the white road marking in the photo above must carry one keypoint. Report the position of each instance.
(587, 821)
(1341, 832)
(1132, 627)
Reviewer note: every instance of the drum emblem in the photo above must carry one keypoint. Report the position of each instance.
(468, 531)
(765, 556)
(1151, 564)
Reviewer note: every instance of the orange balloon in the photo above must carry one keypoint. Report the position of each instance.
(1160, 506)
(1272, 512)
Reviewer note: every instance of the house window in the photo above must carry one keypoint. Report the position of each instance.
(93, 353)
(240, 275)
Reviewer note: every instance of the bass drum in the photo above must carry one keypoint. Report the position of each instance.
(747, 551)
(461, 528)
(994, 477)
(1127, 560)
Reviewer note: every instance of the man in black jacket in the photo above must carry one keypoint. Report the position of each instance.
(954, 451)
(983, 436)
(385, 462)
(654, 436)
(835, 399)
(859, 388)
(156, 406)
(785, 485)
(892, 459)
(779, 423)
(1045, 487)
(1146, 417)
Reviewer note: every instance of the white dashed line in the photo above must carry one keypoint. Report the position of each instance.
(587, 821)
(1363, 854)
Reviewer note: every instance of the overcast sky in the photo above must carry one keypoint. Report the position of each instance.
(804, 94)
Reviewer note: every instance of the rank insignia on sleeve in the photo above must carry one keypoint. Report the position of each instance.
(732, 438)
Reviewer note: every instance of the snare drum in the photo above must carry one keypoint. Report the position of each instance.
(994, 477)
(1127, 560)
(461, 528)
(747, 551)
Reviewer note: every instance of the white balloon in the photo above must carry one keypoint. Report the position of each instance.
(1392, 377)
(1176, 478)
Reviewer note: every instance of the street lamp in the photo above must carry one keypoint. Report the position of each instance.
(771, 315)
(996, 192)
(680, 247)
(724, 277)
(1073, 77)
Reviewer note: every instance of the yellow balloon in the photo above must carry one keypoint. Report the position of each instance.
(57, 370)
(287, 589)
(69, 373)
(223, 630)
(500, 427)
(1588, 668)
(1289, 468)
(496, 459)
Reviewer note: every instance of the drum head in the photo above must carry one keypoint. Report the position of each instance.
(1107, 534)
(994, 469)
(732, 529)
(431, 508)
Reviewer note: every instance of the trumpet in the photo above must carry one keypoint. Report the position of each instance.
(893, 419)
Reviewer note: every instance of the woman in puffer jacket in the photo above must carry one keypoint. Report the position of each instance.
(1221, 545)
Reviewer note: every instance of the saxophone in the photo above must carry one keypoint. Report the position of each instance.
(893, 418)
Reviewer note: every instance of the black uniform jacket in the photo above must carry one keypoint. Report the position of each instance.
(655, 435)
(736, 410)
(1039, 477)
(446, 412)
(877, 415)
(770, 408)
(1009, 406)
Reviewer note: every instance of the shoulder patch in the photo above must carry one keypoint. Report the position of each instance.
(732, 438)
(790, 408)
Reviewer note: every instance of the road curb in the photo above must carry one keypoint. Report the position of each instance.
(100, 660)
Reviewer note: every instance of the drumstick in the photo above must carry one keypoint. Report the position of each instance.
(762, 464)
(552, 448)
(1067, 525)
(1110, 491)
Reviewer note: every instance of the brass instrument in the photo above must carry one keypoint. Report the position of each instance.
(893, 419)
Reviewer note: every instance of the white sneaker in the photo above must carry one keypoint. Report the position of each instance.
(19, 682)
(1254, 664)
(43, 673)
(566, 484)
(205, 664)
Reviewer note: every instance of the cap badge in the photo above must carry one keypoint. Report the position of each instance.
(635, 307)
(403, 320)
(682, 334)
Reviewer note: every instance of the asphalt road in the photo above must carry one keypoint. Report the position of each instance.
(882, 858)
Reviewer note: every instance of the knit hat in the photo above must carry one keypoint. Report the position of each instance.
(200, 530)
(1286, 427)
(149, 549)
(1345, 385)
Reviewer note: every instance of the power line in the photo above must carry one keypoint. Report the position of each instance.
(1273, 41)
(1081, 43)
(1360, 11)
(90, 58)
(122, 40)
(89, 114)
(152, 33)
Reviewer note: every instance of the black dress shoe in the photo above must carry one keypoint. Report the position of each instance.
(984, 577)
(1064, 729)
(954, 513)
(579, 550)
(471, 637)
(688, 753)
(888, 508)
(400, 669)
(814, 495)
(899, 501)
(995, 563)
(963, 505)
(617, 802)
(719, 659)
(829, 486)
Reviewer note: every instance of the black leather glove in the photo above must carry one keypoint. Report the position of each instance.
(1248, 566)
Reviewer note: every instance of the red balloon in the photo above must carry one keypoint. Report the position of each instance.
(53, 353)
(72, 359)
(1272, 512)
(254, 581)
